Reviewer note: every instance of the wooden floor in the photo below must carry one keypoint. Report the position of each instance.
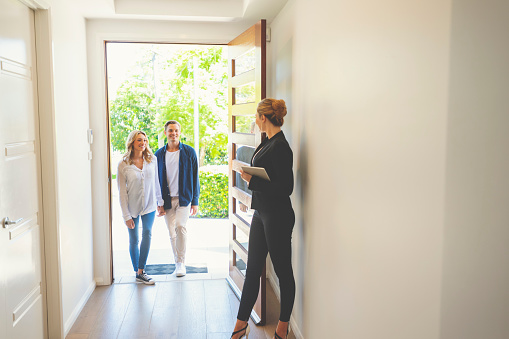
(192, 309)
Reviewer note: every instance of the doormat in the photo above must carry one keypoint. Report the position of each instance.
(160, 269)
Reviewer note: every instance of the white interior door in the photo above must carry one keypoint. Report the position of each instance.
(22, 302)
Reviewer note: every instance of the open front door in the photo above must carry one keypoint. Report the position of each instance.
(246, 87)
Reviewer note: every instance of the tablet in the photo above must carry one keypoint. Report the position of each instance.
(256, 171)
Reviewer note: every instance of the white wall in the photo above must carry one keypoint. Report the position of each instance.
(73, 166)
(371, 83)
(476, 255)
(99, 31)
(406, 191)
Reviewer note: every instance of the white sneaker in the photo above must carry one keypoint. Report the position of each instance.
(180, 270)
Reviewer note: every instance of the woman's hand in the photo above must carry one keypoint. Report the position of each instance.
(246, 177)
(194, 209)
(160, 211)
(130, 223)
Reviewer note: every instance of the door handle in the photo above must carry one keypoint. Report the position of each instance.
(8, 222)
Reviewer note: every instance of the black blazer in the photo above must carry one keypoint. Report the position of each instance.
(276, 156)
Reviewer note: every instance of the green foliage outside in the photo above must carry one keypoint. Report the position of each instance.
(216, 158)
(132, 110)
(244, 124)
(213, 195)
(161, 88)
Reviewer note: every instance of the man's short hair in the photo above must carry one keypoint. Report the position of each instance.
(172, 122)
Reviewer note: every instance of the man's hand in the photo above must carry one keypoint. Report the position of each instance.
(194, 209)
(160, 211)
(130, 223)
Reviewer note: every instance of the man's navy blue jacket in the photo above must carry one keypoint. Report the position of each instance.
(189, 183)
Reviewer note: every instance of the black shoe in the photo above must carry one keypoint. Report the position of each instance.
(287, 331)
(144, 278)
(246, 332)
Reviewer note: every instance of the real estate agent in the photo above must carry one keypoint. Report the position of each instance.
(273, 219)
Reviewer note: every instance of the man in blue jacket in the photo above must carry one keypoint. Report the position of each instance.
(180, 188)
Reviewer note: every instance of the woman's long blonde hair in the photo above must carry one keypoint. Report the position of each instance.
(147, 153)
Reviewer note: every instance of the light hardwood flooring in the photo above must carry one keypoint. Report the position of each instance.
(187, 309)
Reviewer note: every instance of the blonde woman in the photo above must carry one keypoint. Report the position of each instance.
(273, 219)
(140, 194)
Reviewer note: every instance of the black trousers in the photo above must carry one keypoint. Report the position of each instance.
(271, 232)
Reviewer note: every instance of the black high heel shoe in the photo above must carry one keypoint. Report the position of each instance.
(246, 333)
(287, 331)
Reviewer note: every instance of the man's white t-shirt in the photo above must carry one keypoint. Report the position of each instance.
(172, 172)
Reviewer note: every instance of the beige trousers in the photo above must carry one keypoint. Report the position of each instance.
(176, 219)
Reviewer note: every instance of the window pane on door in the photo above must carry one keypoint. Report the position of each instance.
(244, 123)
(244, 212)
(241, 265)
(244, 154)
(245, 62)
(245, 93)
(241, 184)
(242, 238)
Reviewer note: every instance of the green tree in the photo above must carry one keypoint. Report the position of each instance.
(161, 88)
(177, 101)
(132, 110)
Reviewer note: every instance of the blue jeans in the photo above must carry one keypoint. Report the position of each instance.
(139, 255)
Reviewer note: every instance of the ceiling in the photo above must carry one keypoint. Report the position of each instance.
(182, 10)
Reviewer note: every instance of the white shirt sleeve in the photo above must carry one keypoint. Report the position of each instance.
(122, 190)
(159, 196)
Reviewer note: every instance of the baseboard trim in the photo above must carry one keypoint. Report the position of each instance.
(293, 323)
(77, 310)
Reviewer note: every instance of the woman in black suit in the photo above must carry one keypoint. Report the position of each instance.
(273, 219)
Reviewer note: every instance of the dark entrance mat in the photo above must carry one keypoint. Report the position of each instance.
(160, 269)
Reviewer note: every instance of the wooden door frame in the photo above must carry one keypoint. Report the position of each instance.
(97, 36)
(110, 278)
(51, 280)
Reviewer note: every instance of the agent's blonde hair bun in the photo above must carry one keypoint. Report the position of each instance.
(279, 107)
(273, 109)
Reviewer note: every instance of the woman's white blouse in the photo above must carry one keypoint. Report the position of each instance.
(139, 190)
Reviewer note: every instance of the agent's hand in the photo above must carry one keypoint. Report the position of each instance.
(160, 211)
(194, 209)
(245, 176)
(130, 223)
